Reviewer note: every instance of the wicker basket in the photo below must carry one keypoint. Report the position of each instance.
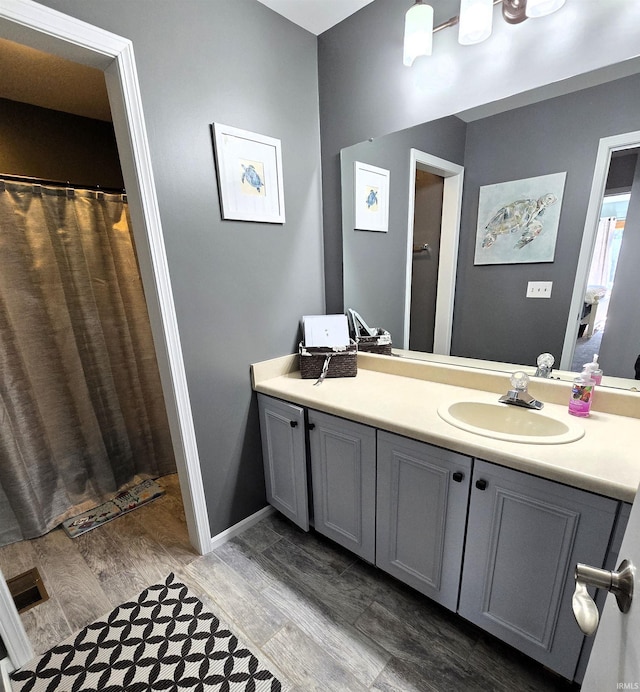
(380, 343)
(341, 362)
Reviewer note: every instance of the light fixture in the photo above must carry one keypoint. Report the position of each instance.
(475, 22)
(514, 11)
(418, 32)
(541, 8)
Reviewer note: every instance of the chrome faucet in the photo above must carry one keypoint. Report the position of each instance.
(518, 394)
(545, 363)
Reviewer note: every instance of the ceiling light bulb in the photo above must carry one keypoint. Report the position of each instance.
(418, 32)
(476, 19)
(541, 8)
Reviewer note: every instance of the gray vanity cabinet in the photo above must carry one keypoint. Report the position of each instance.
(343, 472)
(422, 499)
(405, 505)
(285, 459)
(525, 535)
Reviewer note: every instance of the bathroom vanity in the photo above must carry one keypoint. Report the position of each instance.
(490, 528)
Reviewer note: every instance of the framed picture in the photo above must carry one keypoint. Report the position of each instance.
(371, 195)
(518, 220)
(249, 170)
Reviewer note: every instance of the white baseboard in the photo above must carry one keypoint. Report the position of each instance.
(241, 526)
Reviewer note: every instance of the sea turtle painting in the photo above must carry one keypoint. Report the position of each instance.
(252, 177)
(522, 216)
(372, 199)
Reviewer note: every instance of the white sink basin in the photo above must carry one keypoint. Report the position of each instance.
(509, 423)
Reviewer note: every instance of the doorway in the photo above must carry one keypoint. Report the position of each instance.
(601, 279)
(50, 31)
(429, 191)
(85, 403)
(444, 276)
(621, 347)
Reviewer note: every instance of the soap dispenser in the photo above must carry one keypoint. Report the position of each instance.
(582, 394)
(594, 369)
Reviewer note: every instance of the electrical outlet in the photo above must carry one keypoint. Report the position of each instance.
(539, 289)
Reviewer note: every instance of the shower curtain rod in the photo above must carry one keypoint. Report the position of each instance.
(61, 183)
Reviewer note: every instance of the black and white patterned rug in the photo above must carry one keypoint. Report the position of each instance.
(165, 639)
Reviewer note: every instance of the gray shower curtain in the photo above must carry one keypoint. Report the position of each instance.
(81, 408)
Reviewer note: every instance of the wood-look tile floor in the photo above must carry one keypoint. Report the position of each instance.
(320, 618)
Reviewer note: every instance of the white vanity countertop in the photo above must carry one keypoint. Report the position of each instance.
(402, 397)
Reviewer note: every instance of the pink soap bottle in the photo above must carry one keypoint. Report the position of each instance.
(582, 394)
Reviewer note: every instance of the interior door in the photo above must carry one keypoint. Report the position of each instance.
(427, 224)
(615, 659)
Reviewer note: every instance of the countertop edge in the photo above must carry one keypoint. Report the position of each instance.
(276, 378)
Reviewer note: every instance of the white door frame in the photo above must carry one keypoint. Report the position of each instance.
(12, 631)
(606, 147)
(453, 175)
(31, 24)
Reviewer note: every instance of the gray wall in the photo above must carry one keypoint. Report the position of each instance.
(239, 288)
(493, 319)
(362, 84)
(375, 280)
(44, 143)
(621, 340)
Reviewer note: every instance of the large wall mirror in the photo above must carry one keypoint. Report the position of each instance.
(491, 320)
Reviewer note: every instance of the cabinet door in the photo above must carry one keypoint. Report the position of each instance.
(285, 458)
(525, 536)
(423, 492)
(343, 471)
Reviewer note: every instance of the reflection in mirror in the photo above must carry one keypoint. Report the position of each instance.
(619, 345)
(509, 368)
(604, 260)
(425, 254)
(492, 318)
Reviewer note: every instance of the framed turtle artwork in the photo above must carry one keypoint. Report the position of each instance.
(249, 169)
(371, 194)
(518, 220)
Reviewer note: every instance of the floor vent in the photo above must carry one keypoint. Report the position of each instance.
(27, 590)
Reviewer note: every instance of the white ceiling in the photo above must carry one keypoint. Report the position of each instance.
(315, 16)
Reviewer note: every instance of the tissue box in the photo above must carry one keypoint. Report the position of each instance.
(380, 343)
(342, 361)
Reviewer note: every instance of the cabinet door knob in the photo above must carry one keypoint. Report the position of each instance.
(481, 484)
(312, 426)
(293, 423)
(458, 476)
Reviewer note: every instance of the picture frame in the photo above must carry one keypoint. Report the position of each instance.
(518, 220)
(371, 195)
(249, 171)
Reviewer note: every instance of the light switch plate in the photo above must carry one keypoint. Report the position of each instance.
(539, 289)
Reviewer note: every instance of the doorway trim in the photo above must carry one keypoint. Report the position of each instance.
(37, 26)
(606, 147)
(12, 631)
(453, 175)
